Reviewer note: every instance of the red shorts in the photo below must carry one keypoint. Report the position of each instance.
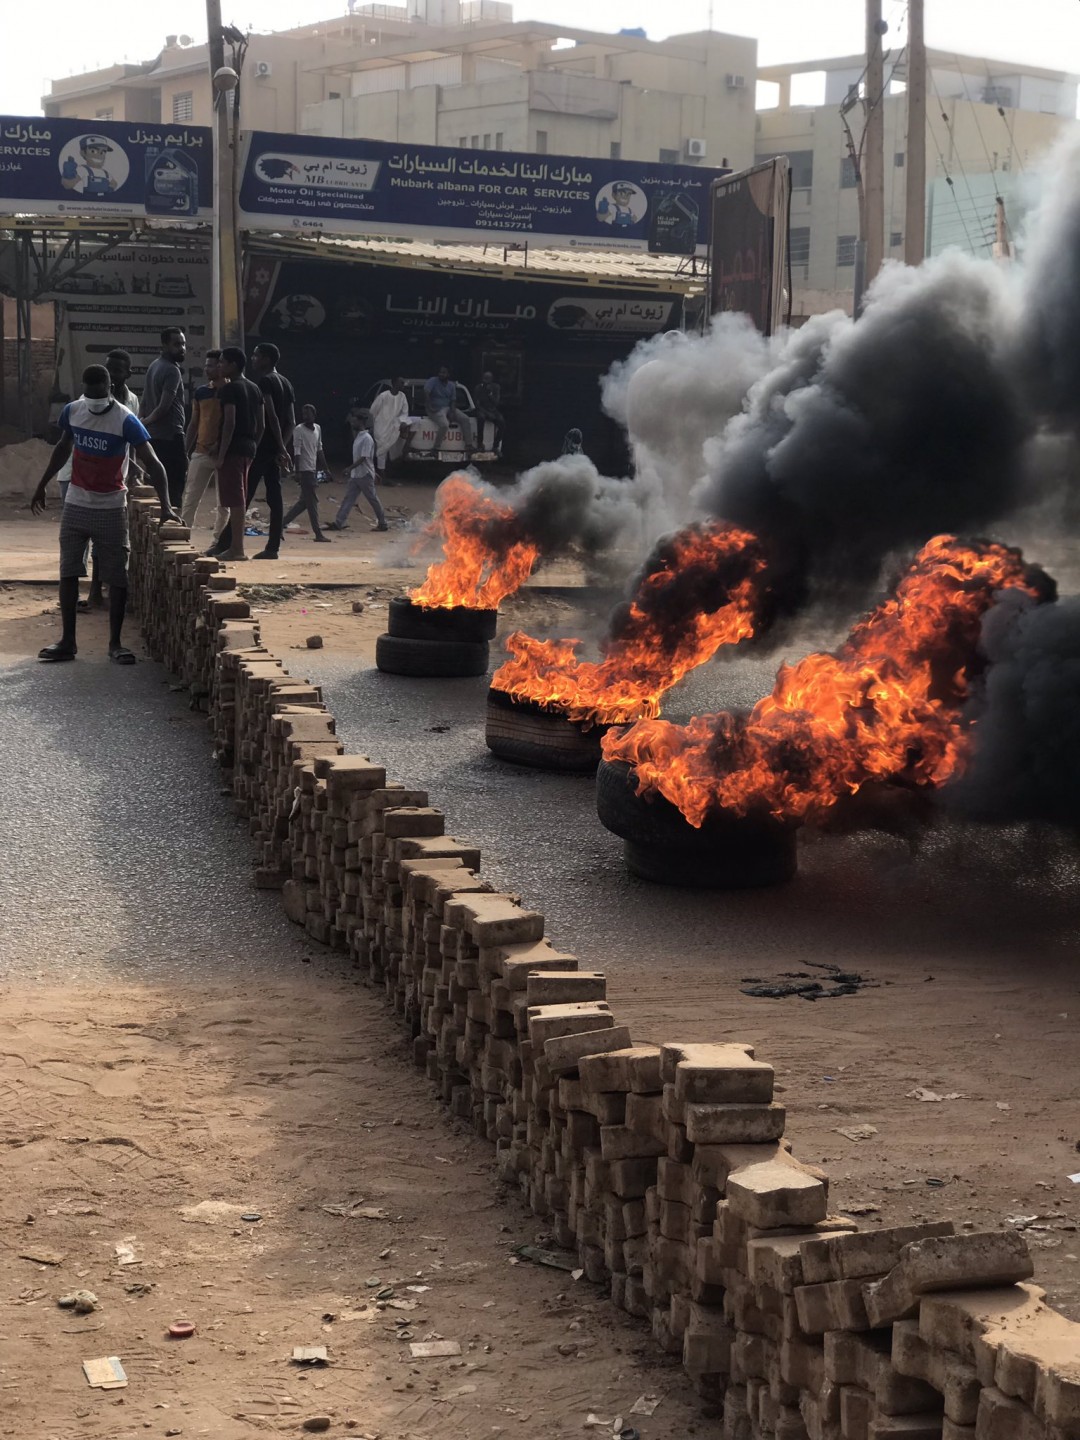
(232, 481)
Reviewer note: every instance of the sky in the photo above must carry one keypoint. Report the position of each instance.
(47, 38)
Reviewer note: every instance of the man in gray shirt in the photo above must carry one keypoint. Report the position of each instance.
(162, 410)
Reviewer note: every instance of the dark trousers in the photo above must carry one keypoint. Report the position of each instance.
(309, 501)
(264, 469)
(172, 452)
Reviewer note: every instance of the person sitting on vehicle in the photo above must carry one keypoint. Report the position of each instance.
(488, 399)
(440, 394)
(572, 442)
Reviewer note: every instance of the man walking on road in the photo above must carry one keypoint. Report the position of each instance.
(362, 476)
(163, 410)
(96, 431)
(242, 420)
(440, 393)
(203, 435)
(308, 449)
(275, 449)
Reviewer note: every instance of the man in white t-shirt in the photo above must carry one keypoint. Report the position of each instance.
(308, 452)
(362, 477)
(96, 431)
(390, 416)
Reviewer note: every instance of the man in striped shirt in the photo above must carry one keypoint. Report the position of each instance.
(96, 431)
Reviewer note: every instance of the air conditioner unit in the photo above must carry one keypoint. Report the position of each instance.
(263, 68)
(695, 149)
(735, 82)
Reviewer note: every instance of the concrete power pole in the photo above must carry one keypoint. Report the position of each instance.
(227, 329)
(915, 159)
(873, 165)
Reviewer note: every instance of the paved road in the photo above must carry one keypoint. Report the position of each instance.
(120, 855)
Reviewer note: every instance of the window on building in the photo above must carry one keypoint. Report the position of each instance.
(103, 114)
(183, 107)
(898, 159)
(487, 140)
(334, 95)
(799, 245)
(845, 249)
(498, 139)
(848, 179)
(616, 150)
(896, 239)
(541, 142)
(475, 142)
(669, 157)
(463, 141)
(802, 169)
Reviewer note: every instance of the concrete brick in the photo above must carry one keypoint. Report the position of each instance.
(514, 963)
(547, 1022)
(495, 919)
(636, 1068)
(863, 1254)
(905, 1427)
(776, 1262)
(955, 1320)
(620, 1142)
(566, 1052)
(837, 1305)
(558, 987)
(774, 1194)
(947, 1262)
(856, 1408)
(1000, 1418)
(716, 1074)
(733, 1124)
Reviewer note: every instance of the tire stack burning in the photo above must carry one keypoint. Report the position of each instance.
(444, 627)
(885, 717)
(700, 589)
(491, 542)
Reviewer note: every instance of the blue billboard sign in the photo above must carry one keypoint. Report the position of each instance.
(104, 168)
(373, 187)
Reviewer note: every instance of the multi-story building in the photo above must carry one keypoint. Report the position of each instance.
(458, 72)
(987, 122)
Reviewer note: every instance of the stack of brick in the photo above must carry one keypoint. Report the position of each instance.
(664, 1167)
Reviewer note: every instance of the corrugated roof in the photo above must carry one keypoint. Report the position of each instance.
(585, 267)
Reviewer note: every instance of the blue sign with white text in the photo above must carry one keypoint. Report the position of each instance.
(377, 187)
(104, 168)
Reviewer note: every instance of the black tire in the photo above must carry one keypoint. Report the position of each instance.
(529, 735)
(438, 658)
(413, 622)
(729, 852)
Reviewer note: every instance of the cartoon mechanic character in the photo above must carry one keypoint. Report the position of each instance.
(91, 175)
(617, 212)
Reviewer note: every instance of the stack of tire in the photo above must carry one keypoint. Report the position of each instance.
(436, 641)
(526, 733)
(728, 852)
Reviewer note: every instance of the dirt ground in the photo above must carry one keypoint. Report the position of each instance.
(156, 1117)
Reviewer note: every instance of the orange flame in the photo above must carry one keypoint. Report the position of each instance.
(654, 649)
(485, 556)
(886, 705)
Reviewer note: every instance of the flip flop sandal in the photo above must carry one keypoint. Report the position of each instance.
(122, 656)
(56, 652)
(83, 607)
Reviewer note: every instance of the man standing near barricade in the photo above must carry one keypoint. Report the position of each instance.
(275, 448)
(203, 434)
(96, 431)
(163, 410)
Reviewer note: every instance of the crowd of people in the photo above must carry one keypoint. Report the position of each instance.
(242, 433)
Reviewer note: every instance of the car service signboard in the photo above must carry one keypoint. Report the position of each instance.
(317, 184)
(104, 169)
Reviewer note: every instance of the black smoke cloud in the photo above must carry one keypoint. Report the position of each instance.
(1026, 762)
(870, 437)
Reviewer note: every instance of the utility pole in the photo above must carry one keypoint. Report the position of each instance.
(915, 159)
(873, 147)
(226, 260)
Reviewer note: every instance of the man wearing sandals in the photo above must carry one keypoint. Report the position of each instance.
(96, 431)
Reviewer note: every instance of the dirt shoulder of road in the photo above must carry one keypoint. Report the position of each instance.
(141, 1124)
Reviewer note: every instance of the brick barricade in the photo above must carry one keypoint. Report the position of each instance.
(664, 1167)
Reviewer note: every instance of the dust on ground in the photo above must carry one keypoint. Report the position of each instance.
(141, 1124)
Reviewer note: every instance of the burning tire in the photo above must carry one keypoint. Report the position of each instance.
(527, 734)
(417, 622)
(398, 655)
(729, 852)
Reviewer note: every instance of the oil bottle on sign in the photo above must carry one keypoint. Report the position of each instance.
(172, 182)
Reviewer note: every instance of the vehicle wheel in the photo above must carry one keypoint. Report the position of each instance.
(729, 852)
(418, 622)
(396, 655)
(527, 734)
